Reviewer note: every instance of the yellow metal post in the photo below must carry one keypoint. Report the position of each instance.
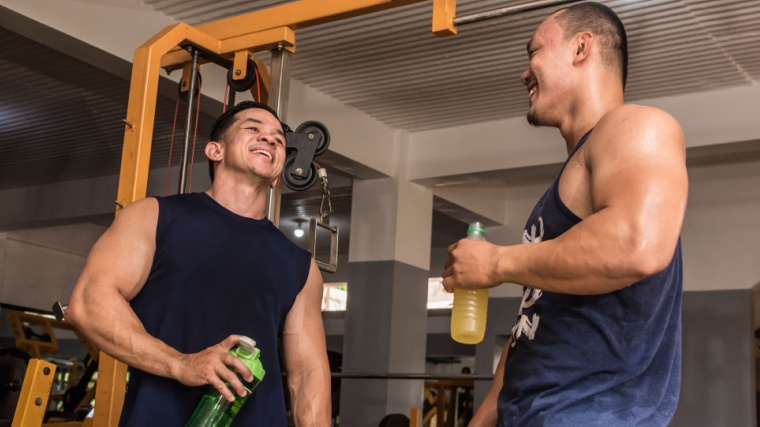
(298, 14)
(109, 391)
(444, 12)
(35, 392)
(414, 417)
(135, 159)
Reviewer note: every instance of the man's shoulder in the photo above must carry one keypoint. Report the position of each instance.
(140, 210)
(637, 119)
(634, 127)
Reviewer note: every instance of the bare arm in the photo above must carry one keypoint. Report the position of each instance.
(638, 194)
(305, 356)
(115, 271)
(487, 414)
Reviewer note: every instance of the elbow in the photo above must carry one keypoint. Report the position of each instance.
(77, 311)
(648, 260)
(74, 314)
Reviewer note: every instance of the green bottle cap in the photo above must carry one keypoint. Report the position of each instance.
(249, 355)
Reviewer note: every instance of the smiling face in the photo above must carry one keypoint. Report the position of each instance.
(547, 76)
(254, 145)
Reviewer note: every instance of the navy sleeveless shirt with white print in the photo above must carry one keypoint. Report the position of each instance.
(593, 360)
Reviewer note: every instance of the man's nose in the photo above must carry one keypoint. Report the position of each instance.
(525, 76)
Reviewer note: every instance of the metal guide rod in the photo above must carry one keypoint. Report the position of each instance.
(399, 376)
(279, 91)
(189, 122)
(230, 98)
(506, 11)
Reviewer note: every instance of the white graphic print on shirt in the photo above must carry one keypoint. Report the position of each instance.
(525, 325)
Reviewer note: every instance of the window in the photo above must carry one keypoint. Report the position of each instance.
(437, 296)
(334, 296)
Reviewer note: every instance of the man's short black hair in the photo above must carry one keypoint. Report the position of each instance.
(223, 123)
(604, 23)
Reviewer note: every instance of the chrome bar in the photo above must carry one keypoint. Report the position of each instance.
(506, 11)
(189, 122)
(279, 91)
(398, 376)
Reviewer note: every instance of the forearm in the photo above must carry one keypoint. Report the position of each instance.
(310, 398)
(110, 323)
(596, 256)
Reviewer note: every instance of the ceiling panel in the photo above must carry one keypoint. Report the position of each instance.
(389, 64)
(61, 119)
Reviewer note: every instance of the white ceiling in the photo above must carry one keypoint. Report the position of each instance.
(390, 65)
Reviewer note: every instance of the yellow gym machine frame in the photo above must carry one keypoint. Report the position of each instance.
(235, 38)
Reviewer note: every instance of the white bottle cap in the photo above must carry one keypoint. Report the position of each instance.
(247, 343)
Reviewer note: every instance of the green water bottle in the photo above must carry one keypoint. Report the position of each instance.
(216, 411)
(468, 314)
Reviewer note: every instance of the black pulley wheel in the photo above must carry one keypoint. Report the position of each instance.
(245, 83)
(184, 95)
(13, 364)
(317, 129)
(297, 182)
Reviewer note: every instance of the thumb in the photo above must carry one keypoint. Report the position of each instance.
(229, 342)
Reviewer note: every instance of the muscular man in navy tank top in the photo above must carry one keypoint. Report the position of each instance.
(174, 282)
(597, 341)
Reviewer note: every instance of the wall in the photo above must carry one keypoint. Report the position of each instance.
(718, 363)
(42, 265)
(722, 227)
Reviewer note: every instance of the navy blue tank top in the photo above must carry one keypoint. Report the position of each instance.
(214, 273)
(593, 360)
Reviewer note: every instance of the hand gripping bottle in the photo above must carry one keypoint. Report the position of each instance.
(214, 410)
(468, 316)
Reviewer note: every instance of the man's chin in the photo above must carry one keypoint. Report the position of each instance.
(533, 119)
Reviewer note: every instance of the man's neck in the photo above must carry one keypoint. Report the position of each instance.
(593, 104)
(243, 198)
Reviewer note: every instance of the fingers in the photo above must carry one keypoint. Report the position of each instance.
(229, 376)
(224, 390)
(240, 367)
(447, 285)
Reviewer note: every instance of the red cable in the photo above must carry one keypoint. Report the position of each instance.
(224, 106)
(171, 146)
(195, 134)
(258, 87)
(276, 204)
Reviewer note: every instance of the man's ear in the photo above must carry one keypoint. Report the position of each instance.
(583, 43)
(214, 151)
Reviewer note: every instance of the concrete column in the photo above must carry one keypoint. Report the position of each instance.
(386, 316)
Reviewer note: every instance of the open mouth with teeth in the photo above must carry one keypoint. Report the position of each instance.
(264, 152)
(533, 89)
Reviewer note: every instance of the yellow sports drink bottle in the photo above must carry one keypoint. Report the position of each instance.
(468, 316)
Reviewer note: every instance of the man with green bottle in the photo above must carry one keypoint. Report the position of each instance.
(175, 282)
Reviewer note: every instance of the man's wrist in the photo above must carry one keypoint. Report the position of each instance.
(502, 265)
(173, 363)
